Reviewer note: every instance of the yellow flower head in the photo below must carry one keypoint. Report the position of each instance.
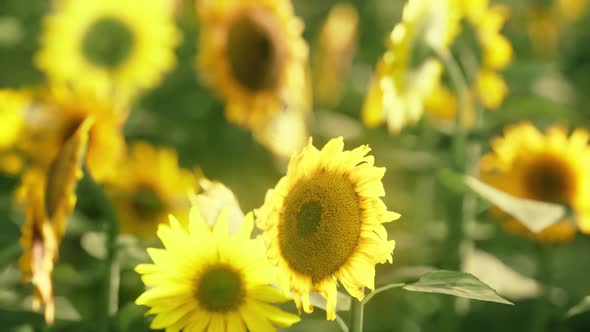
(58, 111)
(397, 92)
(252, 54)
(207, 280)
(336, 47)
(12, 110)
(115, 47)
(549, 167)
(323, 223)
(48, 197)
(148, 186)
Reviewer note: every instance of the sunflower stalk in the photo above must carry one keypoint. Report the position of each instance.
(456, 202)
(110, 280)
(540, 321)
(356, 316)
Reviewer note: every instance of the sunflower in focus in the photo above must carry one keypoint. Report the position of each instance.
(399, 87)
(549, 167)
(115, 47)
(323, 223)
(216, 282)
(48, 198)
(147, 187)
(253, 56)
(488, 87)
(55, 114)
(13, 105)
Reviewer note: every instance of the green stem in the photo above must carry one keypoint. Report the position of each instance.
(541, 318)
(356, 316)
(110, 280)
(455, 202)
(379, 290)
(341, 323)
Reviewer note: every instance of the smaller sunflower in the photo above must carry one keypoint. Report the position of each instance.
(12, 110)
(48, 198)
(55, 114)
(488, 87)
(116, 47)
(548, 167)
(323, 223)
(400, 87)
(253, 56)
(207, 280)
(147, 187)
(336, 47)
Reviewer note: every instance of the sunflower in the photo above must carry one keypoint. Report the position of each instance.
(336, 47)
(399, 87)
(207, 280)
(57, 111)
(323, 222)
(12, 109)
(48, 197)
(549, 167)
(148, 186)
(116, 47)
(253, 56)
(488, 87)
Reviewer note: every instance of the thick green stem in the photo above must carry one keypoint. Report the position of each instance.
(356, 316)
(455, 202)
(541, 314)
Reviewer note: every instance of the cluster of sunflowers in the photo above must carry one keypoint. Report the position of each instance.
(323, 223)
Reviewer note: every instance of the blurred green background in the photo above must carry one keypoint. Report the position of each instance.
(545, 87)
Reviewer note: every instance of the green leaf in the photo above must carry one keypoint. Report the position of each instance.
(579, 308)
(535, 215)
(455, 283)
(452, 180)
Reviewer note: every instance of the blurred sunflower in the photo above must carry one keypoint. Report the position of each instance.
(215, 281)
(253, 56)
(13, 105)
(489, 88)
(147, 187)
(323, 223)
(48, 198)
(56, 113)
(547, 20)
(408, 72)
(548, 167)
(335, 49)
(115, 47)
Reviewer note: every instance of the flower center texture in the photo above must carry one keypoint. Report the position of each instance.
(220, 289)
(320, 224)
(147, 203)
(107, 43)
(550, 179)
(254, 52)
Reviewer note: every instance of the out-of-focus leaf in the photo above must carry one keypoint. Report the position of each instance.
(500, 276)
(535, 215)
(579, 308)
(342, 301)
(452, 180)
(457, 284)
(95, 244)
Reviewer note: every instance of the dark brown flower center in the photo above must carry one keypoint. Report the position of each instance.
(550, 179)
(255, 54)
(220, 289)
(147, 203)
(107, 43)
(320, 224)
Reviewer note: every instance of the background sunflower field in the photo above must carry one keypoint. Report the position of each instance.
(392, 74)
